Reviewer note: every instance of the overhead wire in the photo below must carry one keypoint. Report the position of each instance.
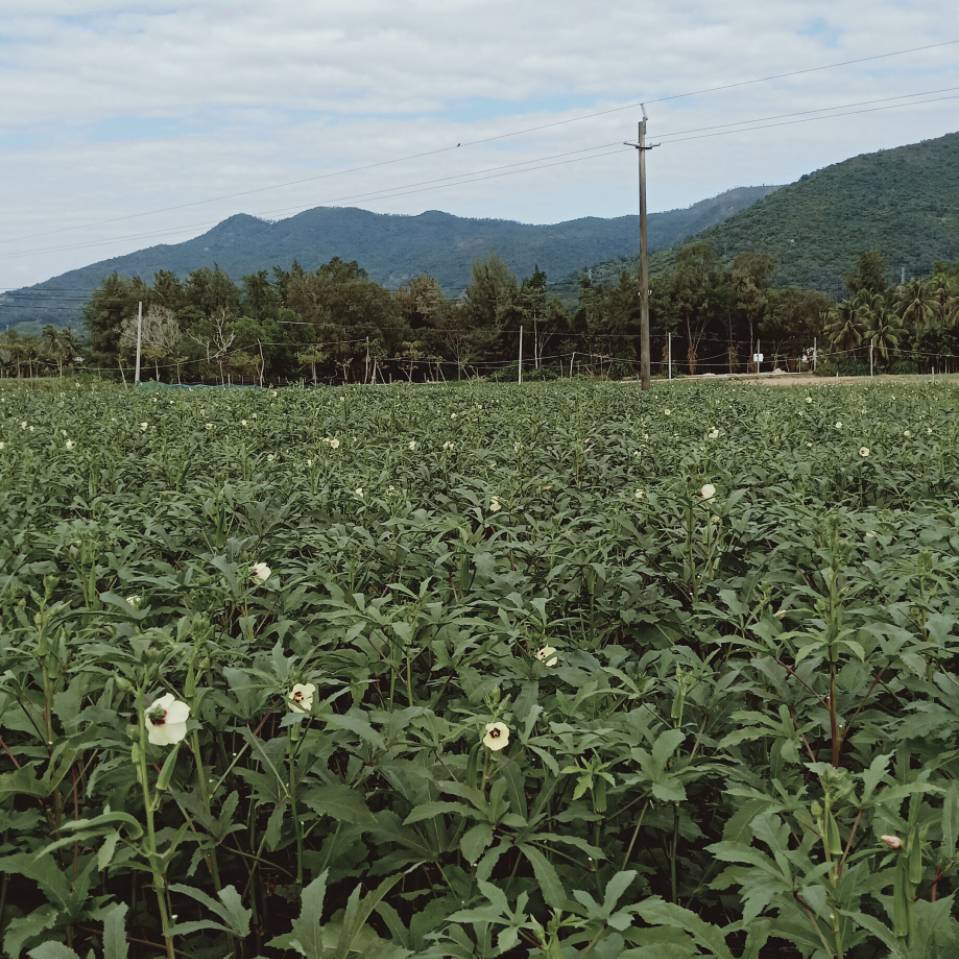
(528, 166)
(702, 91)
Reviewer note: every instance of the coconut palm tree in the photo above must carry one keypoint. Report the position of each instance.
(945, 302)
(882, 326)
(843, 326)
(917, 306)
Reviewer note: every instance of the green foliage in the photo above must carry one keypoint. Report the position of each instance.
(900, 203)
(393, 249)
(719, 640)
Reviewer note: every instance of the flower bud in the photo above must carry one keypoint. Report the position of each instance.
(893, 842)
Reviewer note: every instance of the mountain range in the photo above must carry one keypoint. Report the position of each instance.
(903, 202)
(391, 248)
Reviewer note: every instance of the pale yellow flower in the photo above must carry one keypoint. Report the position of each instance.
(166, 720)
(707, 492)
(863, 451)
(300, 698)
(496, 736)
(548, 656)
(260, 572)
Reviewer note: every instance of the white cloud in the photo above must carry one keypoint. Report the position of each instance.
(109, 108)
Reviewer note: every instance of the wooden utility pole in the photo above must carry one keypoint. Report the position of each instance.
(641, 147)
(669, 354)
(136, 377)
(519, 363)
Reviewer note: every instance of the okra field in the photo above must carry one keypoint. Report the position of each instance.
(559, 670)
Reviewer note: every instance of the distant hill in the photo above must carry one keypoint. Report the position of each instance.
(903, 202)
(389, 247)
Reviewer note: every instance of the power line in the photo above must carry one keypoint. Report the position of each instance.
(383, 195)
(527, 166)
(501, 136)
(808, 119)
(799, 113)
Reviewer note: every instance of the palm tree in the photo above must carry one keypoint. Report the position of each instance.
(917, 305)
(882, 327)
(945, 302)
(843, 326)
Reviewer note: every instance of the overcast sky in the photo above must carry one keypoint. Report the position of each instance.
(113, 109)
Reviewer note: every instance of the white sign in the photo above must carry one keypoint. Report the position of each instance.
(758, 357)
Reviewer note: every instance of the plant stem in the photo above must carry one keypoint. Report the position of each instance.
(159, 883)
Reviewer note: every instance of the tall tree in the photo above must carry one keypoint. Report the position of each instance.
(869, 274)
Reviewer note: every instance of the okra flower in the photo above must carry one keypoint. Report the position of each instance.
(547, 656)
(863, 451)
(70, 444)
(300, 698)
(166, 720)
(496, 737)
(713, 434)
(707, 492)
(495, 505)
(260, 572)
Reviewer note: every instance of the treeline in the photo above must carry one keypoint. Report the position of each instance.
(909, 327)
(335, 325)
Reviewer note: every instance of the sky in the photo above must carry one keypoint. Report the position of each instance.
(127, 123)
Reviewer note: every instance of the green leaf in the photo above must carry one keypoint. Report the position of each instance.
(666, 744)
(306, 933)
(550, 886)
(340, 802)
(114, 932)
(475, 840)
(21, 928)
(235, 918)
(657, 912)
(52, 950)
(355, 724)
(429, 810)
